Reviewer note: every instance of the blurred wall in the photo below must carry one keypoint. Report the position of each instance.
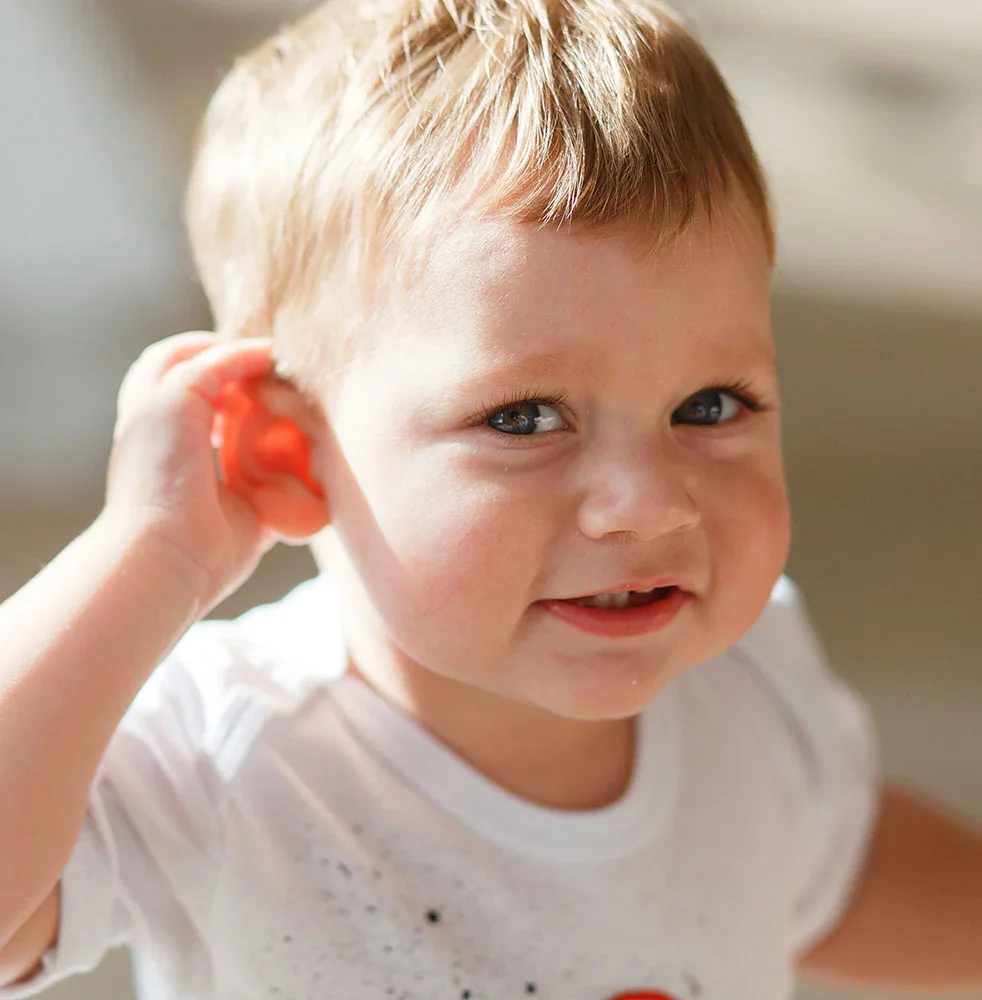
(878, 315)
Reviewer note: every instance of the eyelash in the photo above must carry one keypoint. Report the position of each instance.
(558, 400)
(739, 390)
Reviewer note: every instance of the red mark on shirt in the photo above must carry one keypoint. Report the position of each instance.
(642, 995)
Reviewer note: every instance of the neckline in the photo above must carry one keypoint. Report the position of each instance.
(495, 814)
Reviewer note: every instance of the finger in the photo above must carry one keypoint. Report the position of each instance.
(189, 346)
(207, 373)
(156, 360)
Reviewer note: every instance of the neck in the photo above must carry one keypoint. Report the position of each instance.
(535, 755)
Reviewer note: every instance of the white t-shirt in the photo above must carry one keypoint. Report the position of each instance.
(265, 826)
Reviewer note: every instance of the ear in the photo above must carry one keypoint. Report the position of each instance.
(264, 457)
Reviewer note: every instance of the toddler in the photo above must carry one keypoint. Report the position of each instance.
(491, 286)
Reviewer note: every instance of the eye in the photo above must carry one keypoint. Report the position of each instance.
(708, 407)
(526, 417)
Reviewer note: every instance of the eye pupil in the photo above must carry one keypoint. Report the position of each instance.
(525, 418)
(519, 418)
(705, 408)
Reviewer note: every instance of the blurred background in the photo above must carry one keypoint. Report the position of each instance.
(868, 117)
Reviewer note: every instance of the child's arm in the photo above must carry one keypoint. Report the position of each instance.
(915, 921)
(21, 956)
(80, 639)
(78, 643)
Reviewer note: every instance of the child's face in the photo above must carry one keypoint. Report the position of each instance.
(456, 534)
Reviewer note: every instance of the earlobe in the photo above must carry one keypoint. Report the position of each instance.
(265, 459)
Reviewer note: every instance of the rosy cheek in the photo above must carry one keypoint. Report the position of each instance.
(467, 546)
(770, 502)
(757, 539)
(745, 518)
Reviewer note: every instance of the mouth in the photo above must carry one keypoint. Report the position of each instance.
(622, 613)
(620, 599)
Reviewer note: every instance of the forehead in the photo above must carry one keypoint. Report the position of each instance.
(506, 290)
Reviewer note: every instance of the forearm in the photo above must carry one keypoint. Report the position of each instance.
(77, 642)
(915, 924)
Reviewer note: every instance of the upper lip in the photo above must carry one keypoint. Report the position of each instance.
(652, 583)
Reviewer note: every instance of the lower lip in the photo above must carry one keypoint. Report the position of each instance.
(620, 622)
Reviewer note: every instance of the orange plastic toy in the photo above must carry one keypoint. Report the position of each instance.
(251, 436)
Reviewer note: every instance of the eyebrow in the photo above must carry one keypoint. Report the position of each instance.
(754, 362)
(548, 365)
(772, 367)
(767, 366)
(532, 367)
(521, 372)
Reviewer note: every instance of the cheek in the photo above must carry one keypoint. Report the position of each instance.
(428, 539)
(466, 543)
(748, 526)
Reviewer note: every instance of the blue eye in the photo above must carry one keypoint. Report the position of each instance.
(707, 408)
(526, 417)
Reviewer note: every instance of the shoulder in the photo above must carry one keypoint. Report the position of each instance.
(774, 695)
(215, 692)
(785, 656)
(783, 628)
(812, 740)
(831, 755)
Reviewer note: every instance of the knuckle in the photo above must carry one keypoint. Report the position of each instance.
(163, 353)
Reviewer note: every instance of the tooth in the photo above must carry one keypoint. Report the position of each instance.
(608, 601)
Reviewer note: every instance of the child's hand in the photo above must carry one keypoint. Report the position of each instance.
(162, 471)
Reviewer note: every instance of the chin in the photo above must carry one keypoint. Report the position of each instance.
(608, 694)
(603, 713)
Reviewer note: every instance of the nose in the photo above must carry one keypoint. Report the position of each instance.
(645, 494)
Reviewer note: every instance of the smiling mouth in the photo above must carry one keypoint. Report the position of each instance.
(620, 600)
(622, 614)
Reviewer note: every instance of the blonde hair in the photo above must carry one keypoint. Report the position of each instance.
(342, 139)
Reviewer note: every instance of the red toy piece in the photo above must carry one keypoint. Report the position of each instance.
(252, 436)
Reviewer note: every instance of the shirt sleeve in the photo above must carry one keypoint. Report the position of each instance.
(836, 788)
(139, 873)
